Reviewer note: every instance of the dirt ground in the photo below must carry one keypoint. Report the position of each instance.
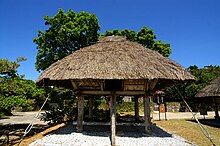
(21, 118)
(181, 115)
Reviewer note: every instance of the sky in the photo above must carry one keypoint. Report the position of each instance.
(192, 27)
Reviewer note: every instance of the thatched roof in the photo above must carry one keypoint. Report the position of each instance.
(115, 57)
(211, 90)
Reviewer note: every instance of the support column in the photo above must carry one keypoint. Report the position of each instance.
(113, 118)
(216, 108)
(216, 112)
(136, 108)
(165, 106)
(147, 114)
(159, 111)
(91, 108)
(79, 127)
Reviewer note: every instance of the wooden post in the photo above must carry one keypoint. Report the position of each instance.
(216, 112)
(147, 114)
(90, 108)
(136, 108)
(79, 127)
(159, 111)
(165, 106)
(113, 118)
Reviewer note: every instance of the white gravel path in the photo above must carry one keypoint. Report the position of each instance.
(101, 138)
(78, 139)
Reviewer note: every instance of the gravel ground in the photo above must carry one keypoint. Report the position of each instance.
(132, 135)
(78, 139)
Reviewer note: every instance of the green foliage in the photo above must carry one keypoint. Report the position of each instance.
(61, 104)
(146, 37)
(6, 103)
(20, 92)
(125, 107)
(16, 91)
(8, 68)
(67, 32)
(203, 77)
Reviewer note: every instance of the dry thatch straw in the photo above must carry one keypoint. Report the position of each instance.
(211, 90)
(115, 57)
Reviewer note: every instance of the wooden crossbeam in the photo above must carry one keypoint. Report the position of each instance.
(88, 92)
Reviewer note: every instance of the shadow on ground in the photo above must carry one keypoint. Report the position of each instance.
(11, 134)
(121, 130)
(209, 122)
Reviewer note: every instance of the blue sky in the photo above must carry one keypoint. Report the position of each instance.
(192, 27)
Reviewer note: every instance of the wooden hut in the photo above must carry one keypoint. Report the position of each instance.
(113, 67)
(211, 93)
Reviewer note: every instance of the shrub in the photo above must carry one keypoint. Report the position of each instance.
(7, 103)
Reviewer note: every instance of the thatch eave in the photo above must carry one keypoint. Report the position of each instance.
(115, 58)
(211, 90)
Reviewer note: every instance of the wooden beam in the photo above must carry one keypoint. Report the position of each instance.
(93, 92)
(130, 93)
(113, 118)
(102, 85)
(79, 127)
(74, 85)
(147, 114)
(152, 84)
(136, 107)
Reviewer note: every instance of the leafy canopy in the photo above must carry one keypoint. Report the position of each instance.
(67, 32)
(203, 76)
(16, 91)
(146, 37)
(8, 68)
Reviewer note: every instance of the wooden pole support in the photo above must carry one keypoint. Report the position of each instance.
(91, 108)
(165, 106)
(216, 113)
(136, 107)
(159, 111)
(113, 118)
(79, 127)
(147, 114)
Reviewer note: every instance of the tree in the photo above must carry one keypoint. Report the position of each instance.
(203, 76)
(66, 33)
(146, 37)
(8, 68)
(16, 91)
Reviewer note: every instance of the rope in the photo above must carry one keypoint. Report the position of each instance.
(30, 126)
(204, 131)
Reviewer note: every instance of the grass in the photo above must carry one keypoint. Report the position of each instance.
(191, 131)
